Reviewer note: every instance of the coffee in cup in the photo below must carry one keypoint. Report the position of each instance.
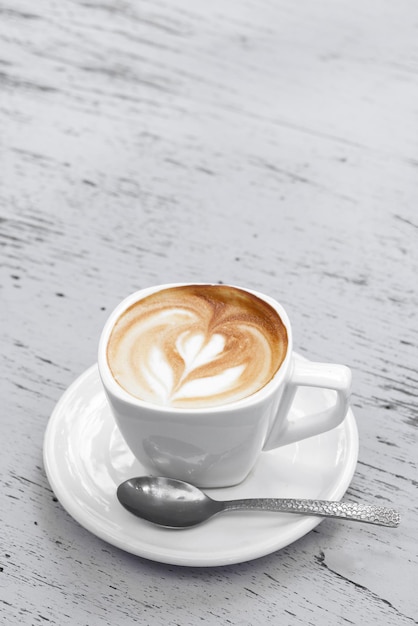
(196, 346)
(201, 380)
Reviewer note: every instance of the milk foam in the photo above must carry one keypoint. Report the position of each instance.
(196, 346)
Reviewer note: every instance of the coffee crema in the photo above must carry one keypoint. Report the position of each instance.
(196, 346)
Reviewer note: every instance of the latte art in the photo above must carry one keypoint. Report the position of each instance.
(196, 346)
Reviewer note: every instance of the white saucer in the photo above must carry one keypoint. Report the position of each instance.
(86, 458)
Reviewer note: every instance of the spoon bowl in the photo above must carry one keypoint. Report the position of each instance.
(166, 501)
(177, 504)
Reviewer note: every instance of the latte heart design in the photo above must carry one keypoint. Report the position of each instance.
(196, 346)
(195, 353)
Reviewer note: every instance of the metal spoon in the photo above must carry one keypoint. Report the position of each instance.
(177, 504)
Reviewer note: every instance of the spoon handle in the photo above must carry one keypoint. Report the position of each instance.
(368, 513)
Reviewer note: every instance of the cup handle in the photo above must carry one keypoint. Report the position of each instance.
(310, 374)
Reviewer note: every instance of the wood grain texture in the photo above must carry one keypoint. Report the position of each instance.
(268, 144)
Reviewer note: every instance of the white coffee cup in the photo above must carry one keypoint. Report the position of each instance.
(217, 446)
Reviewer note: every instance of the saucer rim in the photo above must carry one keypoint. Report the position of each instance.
(298, 528)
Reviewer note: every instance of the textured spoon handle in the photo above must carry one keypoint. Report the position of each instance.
(368, 513)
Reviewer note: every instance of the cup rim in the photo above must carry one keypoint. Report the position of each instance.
(114, 389)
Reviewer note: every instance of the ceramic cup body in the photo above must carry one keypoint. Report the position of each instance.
(218, 446)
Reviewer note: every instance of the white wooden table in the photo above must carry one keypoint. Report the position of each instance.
(270, 144)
